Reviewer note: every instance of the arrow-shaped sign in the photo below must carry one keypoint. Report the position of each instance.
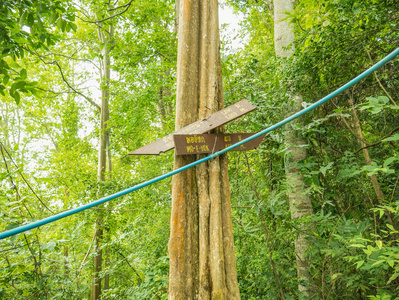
(213, 121)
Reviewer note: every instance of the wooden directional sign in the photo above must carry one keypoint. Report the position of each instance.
(215, 120)
(211, 143)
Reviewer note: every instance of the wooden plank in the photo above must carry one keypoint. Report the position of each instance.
(211, 143)
(215, 120)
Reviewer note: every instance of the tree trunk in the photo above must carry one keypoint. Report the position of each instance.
(358, 128)
(105, 37)
(66, 263)
(104, 117)
(202, 260)
(300, 203)
(96, 284)
(107, 264)
(373, 178)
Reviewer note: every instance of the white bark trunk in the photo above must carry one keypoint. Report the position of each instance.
(300, 203)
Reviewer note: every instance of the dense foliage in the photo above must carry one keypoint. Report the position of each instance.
(49, 82)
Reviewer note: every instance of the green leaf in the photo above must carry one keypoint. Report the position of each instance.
(31, 19)
(379, 244)
(372, 99)
(63, 26)
(335, 276)
(59, 23)
(394, 137)
(23, 18)
(73, 26)
(357, 245)
(359, 264)
(377, 263)
(16, 97)
(23, 74)
(383, 99)
(49, 246)
(33, 29)
(357, 10)
(4, 175)
(389, 160)
(21, 268)
(393, 277)
(11, 226)
(34, 92)
(6, 78)
(323, 170)
(16, 29)
(18, 85)
(53, 18)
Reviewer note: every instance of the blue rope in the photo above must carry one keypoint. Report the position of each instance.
(70, 212)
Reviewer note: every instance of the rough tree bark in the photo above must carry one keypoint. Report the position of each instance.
(202, 259)
(300, 203)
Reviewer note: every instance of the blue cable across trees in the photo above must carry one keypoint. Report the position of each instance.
(70, 212)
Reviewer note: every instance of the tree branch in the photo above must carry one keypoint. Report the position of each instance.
(127, 5)
(83, 261)
(376, 78)
(121, 6)
(394, 188)
(72, 88)
(348, 126)
(13, 248)
(23, 178)
(164, 56)
(138, 275)
(380, 141)
(74, 58)
(65, 80)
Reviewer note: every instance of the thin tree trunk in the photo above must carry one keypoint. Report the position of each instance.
(96, 284)
(109, 161)
(373, 178)
(201, 250)
(107, 264)
(104, 117)
(104, 164)
(358, 128)
(66, 264)
(300, 203)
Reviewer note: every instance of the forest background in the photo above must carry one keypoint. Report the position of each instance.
(50, 127)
